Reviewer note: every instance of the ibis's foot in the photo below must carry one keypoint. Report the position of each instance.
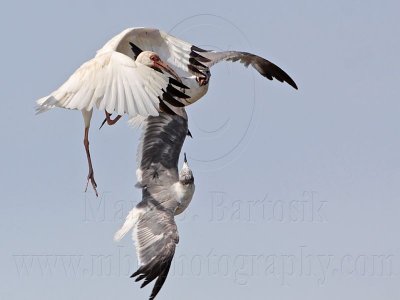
(109, 120)
(203, 80)
(90, 178)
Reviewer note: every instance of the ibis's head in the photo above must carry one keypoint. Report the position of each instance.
(186, 175)
(152, 60)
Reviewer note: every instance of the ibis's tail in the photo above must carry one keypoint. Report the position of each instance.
(45, 103)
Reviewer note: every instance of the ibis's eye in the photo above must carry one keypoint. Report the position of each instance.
(154, 58)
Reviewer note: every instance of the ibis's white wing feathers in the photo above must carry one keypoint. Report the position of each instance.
(186, 57)
(113, 82)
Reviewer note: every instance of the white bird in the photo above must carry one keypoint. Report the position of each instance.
(122, 78)
(114, 82)
(165, 193)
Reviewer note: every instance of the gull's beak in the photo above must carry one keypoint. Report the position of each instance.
(184, 158)
(163, 66)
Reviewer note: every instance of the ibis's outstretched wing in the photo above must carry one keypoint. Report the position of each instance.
(183, 56)
(263, 66)
(186, 57)
(114, 82)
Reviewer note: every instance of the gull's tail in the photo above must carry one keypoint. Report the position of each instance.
(130, 222)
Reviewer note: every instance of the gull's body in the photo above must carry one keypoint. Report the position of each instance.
(165, 193)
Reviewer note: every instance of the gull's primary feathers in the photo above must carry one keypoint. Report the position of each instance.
(165, 193)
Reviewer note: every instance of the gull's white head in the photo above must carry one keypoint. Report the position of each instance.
(186, 174)
(153, 60)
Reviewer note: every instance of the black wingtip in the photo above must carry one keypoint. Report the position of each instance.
(135, 49)
(189, 133)
(178, 83)
(198, 64)
(291, 82)
(164, 107)
(174, 92)
(171, 100)
(199, 57)
(196, 70)
(197, 49)
(160, 281)
(271, 71)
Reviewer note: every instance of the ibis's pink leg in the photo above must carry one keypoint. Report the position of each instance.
(90, 176)
(109, 120)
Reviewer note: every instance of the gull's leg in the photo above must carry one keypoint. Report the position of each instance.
(87, 116)
(109, 120)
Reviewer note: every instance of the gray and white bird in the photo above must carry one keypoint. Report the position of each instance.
(165, 193)
(129, 75)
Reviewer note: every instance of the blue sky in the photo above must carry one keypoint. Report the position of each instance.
(297, 192)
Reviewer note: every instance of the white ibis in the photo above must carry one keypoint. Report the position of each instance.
(165, 193)
(127, 77)
(114, 82)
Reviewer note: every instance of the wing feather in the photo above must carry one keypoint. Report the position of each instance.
(174, 51)
(155, 235)
(113, 82)
(188, 58)
(263, 66)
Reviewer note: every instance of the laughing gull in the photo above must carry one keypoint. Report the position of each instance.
(165, 193)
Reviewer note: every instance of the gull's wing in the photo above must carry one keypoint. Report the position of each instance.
(154, 229)
(114, 82)
(155, 233)
(159, 149)
(263, 66)
(156, 236)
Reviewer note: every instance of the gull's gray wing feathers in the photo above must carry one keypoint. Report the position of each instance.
(159, 149)
(154, 230)
(156, 236)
